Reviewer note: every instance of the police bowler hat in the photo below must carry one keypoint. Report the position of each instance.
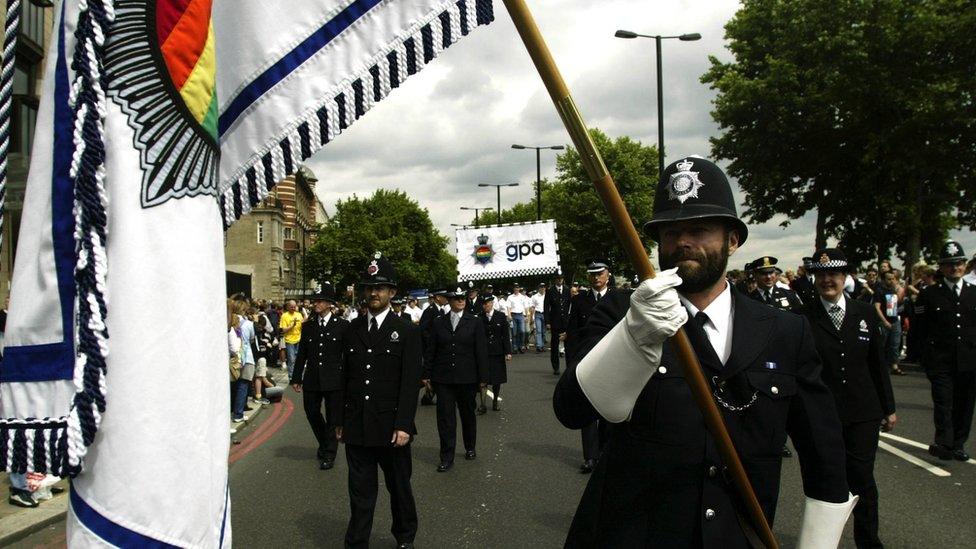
(694, 188)
(951, 252)
(379, 272)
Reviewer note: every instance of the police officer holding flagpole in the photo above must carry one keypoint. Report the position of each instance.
(381, 373)
(660, 481)
(850, 344)
(946, 314)
(318, 372)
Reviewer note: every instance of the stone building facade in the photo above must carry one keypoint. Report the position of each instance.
(269, 244)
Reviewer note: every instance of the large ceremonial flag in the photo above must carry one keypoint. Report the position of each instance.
(161, 123)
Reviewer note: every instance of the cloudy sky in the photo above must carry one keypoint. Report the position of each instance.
(451, 126)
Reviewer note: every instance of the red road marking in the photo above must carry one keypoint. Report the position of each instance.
(260, 435)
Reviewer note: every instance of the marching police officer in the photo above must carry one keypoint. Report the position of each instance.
(381, 373)
(659, 482)
(594, 433)
(946, 315)
(766, 273)
(438, 307)
(318, 372)
(851, 347)
(556, 310)
(499, 347)
(473, 302)
(803, 283)
(456, 363)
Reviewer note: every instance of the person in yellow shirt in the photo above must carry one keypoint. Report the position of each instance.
(291, 331)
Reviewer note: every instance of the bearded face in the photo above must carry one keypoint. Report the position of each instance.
(700, 249)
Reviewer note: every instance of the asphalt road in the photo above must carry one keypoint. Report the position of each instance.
(524, 486)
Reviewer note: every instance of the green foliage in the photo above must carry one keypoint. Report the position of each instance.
(582, 223)
(860, 109)
(389, 222)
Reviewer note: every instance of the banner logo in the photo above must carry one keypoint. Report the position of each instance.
(483, 253)
(519, 250)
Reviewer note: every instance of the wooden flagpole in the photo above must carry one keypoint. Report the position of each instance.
(631, 242)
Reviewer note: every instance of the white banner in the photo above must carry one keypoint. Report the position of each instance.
(503, 251)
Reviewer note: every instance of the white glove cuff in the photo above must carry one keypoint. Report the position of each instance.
(823, 523)
(613, 374)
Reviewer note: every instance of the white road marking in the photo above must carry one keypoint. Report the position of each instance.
(937, 471)
(911, 442)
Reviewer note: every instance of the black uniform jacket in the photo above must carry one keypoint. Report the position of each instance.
(499, 336)
(947, 325)
(459, 356)
(556, 308)
(381, 374)
(805, 289)
(783, 299)
(580, 309)
(318, 366)
(852, 363)
(661, 471)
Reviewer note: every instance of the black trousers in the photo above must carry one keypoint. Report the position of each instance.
(861, 442)
(594, 438)
(397, 468)
(323, 426)
(953, 398)
(452, 396)
(554, 350)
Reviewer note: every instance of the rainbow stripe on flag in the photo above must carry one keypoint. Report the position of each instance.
(186, 41)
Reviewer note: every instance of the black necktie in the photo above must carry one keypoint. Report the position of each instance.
(701, 319)
(372, 325)
(598, 296)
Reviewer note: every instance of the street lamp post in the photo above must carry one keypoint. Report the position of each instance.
(660, 84)
(538, 173)
(498, 195)
(476, 211)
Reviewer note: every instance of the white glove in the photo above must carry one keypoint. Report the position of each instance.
(655, 312)
(823, 523)
(613, 374)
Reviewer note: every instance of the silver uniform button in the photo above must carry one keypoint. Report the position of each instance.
(774, 390)
(367, 382)
(709, 514)
(712, 471)
(662, 370)
(367, 397)
(369, 350)
(368, 366)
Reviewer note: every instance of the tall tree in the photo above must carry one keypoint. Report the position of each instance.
(388, 222)
(861, 110)
(582, 223)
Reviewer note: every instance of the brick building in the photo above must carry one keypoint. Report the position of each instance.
(265, 249)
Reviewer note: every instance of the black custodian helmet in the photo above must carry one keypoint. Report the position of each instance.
(694, 188)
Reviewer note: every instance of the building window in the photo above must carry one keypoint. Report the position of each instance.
(289, 233)
(260, 232)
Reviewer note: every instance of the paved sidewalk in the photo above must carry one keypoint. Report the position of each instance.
(16, 523)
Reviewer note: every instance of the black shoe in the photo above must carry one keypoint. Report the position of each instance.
(326, 464)
(785, 452)
(407, 545)
(444, 466)
(22, 498)
(940, 452)
(555, 372)
(960, 455)
(481, 410)
(469, 455)
(587, 466)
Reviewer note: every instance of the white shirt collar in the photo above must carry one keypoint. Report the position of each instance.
(842, 302)
(601, 293)
(380, 317)
(719, 325)
(325, 319)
